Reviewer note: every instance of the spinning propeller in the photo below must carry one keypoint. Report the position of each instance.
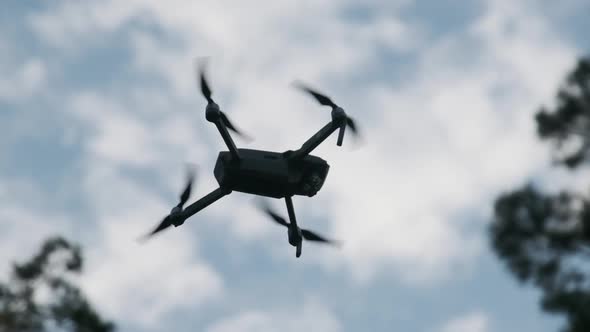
(305, 233)
(206, 90)
(326, 101)
(174, 216)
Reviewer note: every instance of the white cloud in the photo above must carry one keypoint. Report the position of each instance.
(450, 140)
(70, 22)
(148, 135)
(129, 282)
(441, 143)
(24, 229)
(135, 282)
(472, 322)
(312, 316)
(120, 136)
(19, 82)
(458, 131)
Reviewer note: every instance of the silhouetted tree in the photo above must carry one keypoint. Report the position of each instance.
(544, 239)
(41, 297)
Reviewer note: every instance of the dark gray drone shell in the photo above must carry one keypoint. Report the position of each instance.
(271, 174)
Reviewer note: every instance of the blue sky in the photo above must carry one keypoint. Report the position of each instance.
(100, 111)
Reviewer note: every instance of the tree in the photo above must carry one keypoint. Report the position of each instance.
(62, 307)
(543, 238)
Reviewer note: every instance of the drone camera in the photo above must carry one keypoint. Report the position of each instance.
(313, 178)
(312, 184)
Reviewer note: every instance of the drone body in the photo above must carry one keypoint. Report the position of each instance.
(271, 174)
(265, 173)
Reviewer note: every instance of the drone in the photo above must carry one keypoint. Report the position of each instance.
(280, 175)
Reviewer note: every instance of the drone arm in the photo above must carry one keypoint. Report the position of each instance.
(214, 115)
(317, 139)
(204, 202)
(227, 139)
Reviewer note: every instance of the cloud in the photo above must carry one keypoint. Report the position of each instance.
(130, 283)
(441, 144)
(137, 285)
(458, 132)
(312, 316)
(119, 136)
(447, 120)
(147, 136)
(23, 80)
(472, 322)
(133, 282)
(21, 229)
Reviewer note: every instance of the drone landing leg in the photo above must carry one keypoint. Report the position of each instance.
(298, 250)
(291, 211)
(316, 140)
(202, 203)
(293, 225)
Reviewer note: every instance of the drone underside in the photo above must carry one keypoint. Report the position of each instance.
(265, 173)
(271, 174)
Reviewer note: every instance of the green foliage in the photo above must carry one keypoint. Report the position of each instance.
(544, 239)
(65, 308)
(571, 118)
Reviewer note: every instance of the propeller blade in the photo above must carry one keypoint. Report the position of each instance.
(231, 126)
(206, 90)
(273, 215)
(322, 99)
(311, 236)
(165, 223)
(186, 193)
(204, 85)
(352, 125)
(187, 190)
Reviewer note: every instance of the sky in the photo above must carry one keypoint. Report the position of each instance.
(100, 113)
